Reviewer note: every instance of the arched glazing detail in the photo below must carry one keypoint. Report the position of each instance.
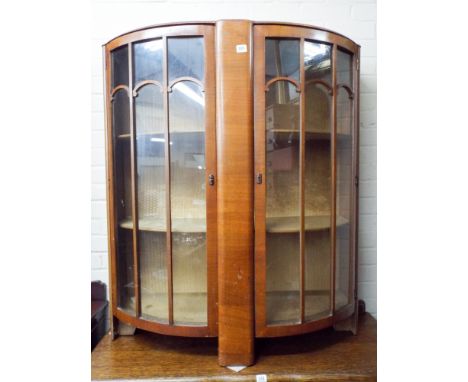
(148, 61)
(144, 83)
(119, 62)
(168, 143)
(186, 58)
(282, 58)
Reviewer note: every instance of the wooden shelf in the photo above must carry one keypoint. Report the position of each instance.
(282, 224)
(126, 136)
(318, 135)
(287, 224)
(189, 308)
(316, 304)
(156, 224)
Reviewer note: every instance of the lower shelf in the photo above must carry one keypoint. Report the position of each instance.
(189, 308)
(291, 223)
(317, 305)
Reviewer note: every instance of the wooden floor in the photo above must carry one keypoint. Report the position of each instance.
(323, 356)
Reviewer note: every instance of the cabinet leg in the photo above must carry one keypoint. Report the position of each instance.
(114, 325)
(119, 328)
(347, 325)
(351, 323)
(125, 329)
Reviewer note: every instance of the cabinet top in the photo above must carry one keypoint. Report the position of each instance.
(214, 23)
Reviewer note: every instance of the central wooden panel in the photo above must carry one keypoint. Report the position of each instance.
(235, 192)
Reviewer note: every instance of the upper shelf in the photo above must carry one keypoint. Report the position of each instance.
(314, 134)
(156, 224)
(159, 134)
(289, 224)
(284, 224)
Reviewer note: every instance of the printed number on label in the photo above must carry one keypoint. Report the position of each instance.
(261, 378)
(241, 48)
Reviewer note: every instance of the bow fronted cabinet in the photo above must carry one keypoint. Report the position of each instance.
(232, 152)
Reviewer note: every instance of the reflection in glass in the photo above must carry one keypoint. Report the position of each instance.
(282, 204)
(344, 186)
(317, 62)
(125, 285)
(147, 58)
(186, 58)
(189, 278)
(153, 276)
(151, 188)
(317, 180)
(344, 68)
(281, 58)
(121, 114)
(120, 66)
(188, 204)
(123, 202)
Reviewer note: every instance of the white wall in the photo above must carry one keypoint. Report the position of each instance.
(353, 18)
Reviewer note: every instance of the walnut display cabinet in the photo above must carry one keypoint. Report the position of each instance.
(232, 152)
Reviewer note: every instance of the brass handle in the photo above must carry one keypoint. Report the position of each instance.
(211, 180)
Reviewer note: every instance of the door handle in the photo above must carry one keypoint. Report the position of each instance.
(259, 178)
(211, 180)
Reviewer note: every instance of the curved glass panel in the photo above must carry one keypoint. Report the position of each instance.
(148, 62)
(344, 184)
(188, 203)
(317, 181)
(186, 58)
(119, 58)
(317, 62)
(281, 58)
(151, 188)
(121, 114)
(344, 68)
(282, 204)
(123, 201)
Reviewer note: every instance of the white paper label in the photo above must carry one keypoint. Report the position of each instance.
(241, 48)
(261, 378)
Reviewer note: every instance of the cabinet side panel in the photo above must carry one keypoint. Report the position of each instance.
(235, 192)
(109, 192)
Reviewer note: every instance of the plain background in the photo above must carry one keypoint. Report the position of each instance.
(353, 18)
(45, 157)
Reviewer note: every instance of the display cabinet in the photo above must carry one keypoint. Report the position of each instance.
(232, 151)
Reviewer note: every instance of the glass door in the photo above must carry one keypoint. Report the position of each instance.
(298, 216)
(345, 180)
(164, 154)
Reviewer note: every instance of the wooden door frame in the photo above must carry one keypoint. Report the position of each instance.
(207, 31)
(261, 32)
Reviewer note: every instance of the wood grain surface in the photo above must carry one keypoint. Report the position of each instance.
(322, 356)
(235, 196)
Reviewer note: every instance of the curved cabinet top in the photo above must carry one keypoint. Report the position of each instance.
(187, 28)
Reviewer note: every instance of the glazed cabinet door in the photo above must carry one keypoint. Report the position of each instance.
(303, 205)
(161, 141)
